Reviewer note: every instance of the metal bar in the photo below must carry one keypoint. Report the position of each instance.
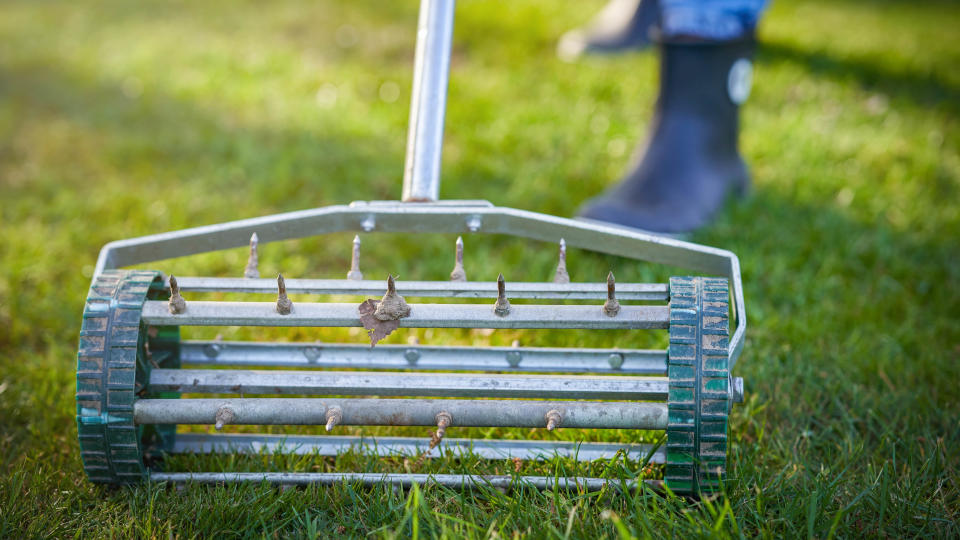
(429, 289)
(457, 481)
(157, 312)
(333, 445)
(466, 358)
(454, 217)
(378, 383)
(428, 101)
(403, 412)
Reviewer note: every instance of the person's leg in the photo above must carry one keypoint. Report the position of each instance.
(691, 161)
(621, 25)
(709, 20)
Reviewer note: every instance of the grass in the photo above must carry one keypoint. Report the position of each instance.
(121, 119)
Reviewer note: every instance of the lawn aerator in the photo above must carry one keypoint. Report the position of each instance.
(132, 365)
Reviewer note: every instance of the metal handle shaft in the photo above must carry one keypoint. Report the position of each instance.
(428, 101)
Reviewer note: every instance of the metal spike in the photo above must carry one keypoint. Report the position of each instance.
(224, 416)
(502, 307)
(553, 418)
(334, 416)
(355, 272)
(284, 305)
(251, 271)
(611, 307)
(458, 273)
(176, 304)
(444, 420)
(392, 306)
(561, 275)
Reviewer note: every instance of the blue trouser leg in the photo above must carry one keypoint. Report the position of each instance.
(718, 20)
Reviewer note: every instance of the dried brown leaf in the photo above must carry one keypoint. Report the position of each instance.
(376, 329)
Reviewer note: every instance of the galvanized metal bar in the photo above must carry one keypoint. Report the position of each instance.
(466, 358)
(455, 217)
(428, 101)
(402, 412)
(428, 289)
(456, 481)
(332, 445)
(379, 383)
(421, 316)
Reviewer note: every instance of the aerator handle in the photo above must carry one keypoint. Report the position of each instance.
(428, 101)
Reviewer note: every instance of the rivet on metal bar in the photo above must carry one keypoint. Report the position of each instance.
(355, 272)
(212, 350)
(251, 271)
(334, 416)
(611, 307)
(368, 224)
(458, 273)
(176, 304)
(412, 356)
(284, 305)
(561, 275)
(615, 360)
(553, 418)
(502, 307)
(514, 357)
(392, 306)
(312, 354)
(224, 416)
(473, 223)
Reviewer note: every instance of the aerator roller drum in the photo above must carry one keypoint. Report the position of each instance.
(117, 353)
(699, 398)
(129, 376)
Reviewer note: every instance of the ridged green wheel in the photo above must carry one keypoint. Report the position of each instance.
(699, 397)
(115, 357)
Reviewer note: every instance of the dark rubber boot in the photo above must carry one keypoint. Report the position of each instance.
(691, 161)
(621, 25)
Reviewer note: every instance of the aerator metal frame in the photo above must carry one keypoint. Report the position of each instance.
(129, 376)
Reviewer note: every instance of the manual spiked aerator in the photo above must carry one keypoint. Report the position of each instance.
(132, 366)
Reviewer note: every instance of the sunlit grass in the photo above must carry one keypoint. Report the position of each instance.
(122, 119)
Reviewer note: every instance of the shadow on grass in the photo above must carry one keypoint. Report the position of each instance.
(921, 87)
(182, 141)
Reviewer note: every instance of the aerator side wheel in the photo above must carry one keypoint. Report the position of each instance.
(116, 354)
(699, 387)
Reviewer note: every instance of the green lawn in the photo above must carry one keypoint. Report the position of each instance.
(120, 119)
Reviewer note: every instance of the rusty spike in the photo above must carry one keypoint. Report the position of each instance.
(553, 418)
(284, 305)
(251, 271)
(458, 274)
(392, 306)
(561, 275)
(176, 304)
(224, 416)
(502, 307)
(444, 420)
(611, 307)
(334, 416)
(355, 272)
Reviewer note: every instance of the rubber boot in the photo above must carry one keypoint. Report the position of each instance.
(691, 162)
(621, 25)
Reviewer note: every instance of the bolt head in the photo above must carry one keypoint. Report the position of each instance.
(615, 360)
(312, 353)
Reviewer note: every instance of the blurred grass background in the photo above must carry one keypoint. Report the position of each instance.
(121, 119)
